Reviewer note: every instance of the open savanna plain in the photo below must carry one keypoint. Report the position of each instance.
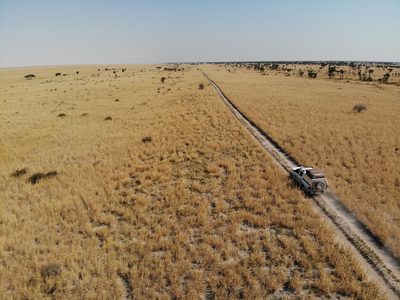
(314, 121)
(121, 186)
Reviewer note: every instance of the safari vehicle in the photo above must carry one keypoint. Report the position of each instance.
(311, 180)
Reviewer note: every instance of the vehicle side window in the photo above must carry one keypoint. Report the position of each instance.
(301, 172)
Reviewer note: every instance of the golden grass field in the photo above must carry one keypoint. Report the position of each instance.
(169, 197)
(313, 120)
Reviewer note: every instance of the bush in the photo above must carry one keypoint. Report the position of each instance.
(19, 172)
(359, 108)
(29, 76)
(201, 86)
(162, 79)
(331, 71)
(312, 74)
(50, 270)
(147, 139)
(385, 78)
(38, 176)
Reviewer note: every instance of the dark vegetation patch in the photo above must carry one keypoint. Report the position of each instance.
(19, 172)
(50, 270)
(312, 74)
(39, 176)
(84, 114)
(61, 115)
(29, 76)
(359, 108)
(163, 79)
(201, 86)
(107, 118)
(147, 139)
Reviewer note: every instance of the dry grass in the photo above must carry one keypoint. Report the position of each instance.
(170, 198)
(314, 120)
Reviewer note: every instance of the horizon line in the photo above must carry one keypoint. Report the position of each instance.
(295, 61)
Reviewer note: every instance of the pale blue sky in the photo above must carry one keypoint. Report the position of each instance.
(49, 32)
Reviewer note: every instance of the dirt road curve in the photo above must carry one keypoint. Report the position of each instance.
(377, 261)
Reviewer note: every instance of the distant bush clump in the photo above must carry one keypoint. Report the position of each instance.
(359, 108)
(162, 79)
(201, 86)
(107, 118)
(29, 76)
(312, 74)
(38, 176)
(19, 172)
(147, 139)
(50, 270)
(386, 77)
(331, 71)
(58, 74)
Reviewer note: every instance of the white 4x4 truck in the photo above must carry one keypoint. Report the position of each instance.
(311, 180)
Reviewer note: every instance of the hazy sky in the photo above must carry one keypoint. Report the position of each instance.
(75, 32)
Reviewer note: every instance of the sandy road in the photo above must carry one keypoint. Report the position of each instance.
(377, 261)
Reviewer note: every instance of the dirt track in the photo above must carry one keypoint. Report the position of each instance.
(377, 261)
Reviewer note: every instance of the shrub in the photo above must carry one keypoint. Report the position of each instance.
(274, 67)
(147, 139)
(386, 77)
(107, 118)
(162, 79)
(201, 86)
(312, 74)
(62, 115)
(359, 108)
(49, 270)
(38, 176)
(331, 71)
(19, 172)
(29, 76)
(58, 74)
